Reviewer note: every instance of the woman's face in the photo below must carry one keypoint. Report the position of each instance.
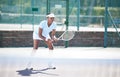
(50, 19)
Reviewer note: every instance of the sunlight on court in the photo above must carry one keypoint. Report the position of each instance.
(85, 62)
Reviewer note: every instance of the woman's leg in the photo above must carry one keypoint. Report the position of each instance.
(49, 44)
(35, 47)
(35, 44)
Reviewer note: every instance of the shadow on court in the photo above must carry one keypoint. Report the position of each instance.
(29, 72)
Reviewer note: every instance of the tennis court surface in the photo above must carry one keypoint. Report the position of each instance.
(69, 62)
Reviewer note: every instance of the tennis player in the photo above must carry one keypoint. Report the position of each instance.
(46, 32)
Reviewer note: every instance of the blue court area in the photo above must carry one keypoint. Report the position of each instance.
(69, 62)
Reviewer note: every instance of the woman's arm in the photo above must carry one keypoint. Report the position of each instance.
(53, 37)
(40, 34)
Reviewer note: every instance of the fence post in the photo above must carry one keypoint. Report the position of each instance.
(106, 23)
(48, 6)
(78, 14)
(67, 20)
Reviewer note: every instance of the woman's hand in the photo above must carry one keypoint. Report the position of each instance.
(55, 39)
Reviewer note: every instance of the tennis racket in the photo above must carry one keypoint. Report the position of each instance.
(67, 35)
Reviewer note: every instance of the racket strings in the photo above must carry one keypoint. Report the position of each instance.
(68, 35)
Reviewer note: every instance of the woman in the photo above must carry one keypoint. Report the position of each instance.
(46, 32)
